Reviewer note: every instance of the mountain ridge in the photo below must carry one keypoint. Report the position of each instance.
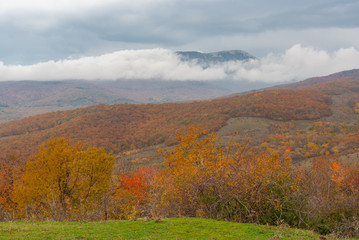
(215, 57)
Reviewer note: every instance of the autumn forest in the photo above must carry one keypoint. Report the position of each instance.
(282, 155)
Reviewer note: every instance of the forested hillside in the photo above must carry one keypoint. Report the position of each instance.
(123, 127)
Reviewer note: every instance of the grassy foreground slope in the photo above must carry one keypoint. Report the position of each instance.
(176, 228)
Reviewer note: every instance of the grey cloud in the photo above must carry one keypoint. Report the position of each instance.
(36, 35)
(326, 14)
(180, 22)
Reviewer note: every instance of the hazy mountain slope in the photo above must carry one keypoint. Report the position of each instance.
(354, 73)
(309, 82)
(26, 98)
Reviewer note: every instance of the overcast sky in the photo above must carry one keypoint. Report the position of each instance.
(82, 38)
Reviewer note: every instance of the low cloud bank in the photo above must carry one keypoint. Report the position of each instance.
(296, 63)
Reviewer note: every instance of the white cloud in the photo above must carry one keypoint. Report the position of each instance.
(296, 63)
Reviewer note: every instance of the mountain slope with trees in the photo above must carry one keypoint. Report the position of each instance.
(123, 127)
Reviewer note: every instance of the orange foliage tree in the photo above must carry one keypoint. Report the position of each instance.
(63, 180)
(9, 173)
(131, 193)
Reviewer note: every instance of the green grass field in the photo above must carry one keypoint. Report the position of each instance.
(176, 228)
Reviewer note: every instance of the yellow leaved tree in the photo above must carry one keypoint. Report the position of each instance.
(64, 181)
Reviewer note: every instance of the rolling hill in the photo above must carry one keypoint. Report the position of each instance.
(124, 127)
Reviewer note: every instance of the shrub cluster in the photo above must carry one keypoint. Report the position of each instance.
(198, 178)
(236, 183)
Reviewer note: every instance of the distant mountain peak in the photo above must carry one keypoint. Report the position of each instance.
(215, 57)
